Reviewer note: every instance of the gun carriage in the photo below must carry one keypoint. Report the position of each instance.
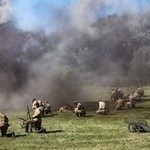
(137, 126)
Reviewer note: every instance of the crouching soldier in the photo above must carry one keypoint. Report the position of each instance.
(4, 126)
(35, 120)
(47, 108)
(131, 103)
(120, 103)
(140, 91)
(79, 109)
(102, 108)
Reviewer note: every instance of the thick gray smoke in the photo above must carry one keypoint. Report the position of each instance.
(43, 55)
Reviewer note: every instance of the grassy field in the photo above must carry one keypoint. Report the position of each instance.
(93, 132)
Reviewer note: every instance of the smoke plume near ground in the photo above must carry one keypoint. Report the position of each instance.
(46, 53)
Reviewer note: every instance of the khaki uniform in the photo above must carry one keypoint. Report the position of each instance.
(33, 105)
(80, 110)
(132, 102)
(4, 124)
(47, 108)
(102, 108)
(64, 109)
(41, 106)
(116, 94)
(140, 91)
(36, 120)
(120, 103)
(137, 96)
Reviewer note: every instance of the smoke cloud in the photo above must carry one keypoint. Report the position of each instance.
(5, 11)
(51, 62)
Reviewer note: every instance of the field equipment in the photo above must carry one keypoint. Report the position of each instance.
(137, 126)
(24, 120)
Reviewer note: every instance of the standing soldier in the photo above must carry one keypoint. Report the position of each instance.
(102, 108)
(79, 109)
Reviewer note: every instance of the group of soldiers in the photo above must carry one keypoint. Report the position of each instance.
(117, 95)
(41, 109)
(130, 100)
(80, 111)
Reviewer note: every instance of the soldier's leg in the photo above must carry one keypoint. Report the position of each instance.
(83, 113)
(117, 107)
(4, 130)
(128, 104)
(37, 126)
(29, 123)
(77, 114)
(97, 111)
(133, 104)
(26, 127)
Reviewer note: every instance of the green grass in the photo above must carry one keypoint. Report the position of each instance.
(93, 132)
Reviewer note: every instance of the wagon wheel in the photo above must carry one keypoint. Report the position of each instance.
(134, 127)
(143, 122)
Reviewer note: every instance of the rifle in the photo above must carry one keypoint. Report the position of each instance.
(23, 124)
(71, 107)
(22, 119)
(29, 117)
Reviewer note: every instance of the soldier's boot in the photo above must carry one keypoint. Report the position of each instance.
(42, 130)
(12, 134)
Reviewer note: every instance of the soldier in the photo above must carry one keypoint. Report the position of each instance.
(136, 96)
(33, 104)
(140, 91)
(41, 107)
(4, 126)
(120, 92)
(65, 109)
(79, 109)
(113, 94)
(120, 103)
(102, 108)
(47, 108)
(116, 94)
(36, 120)
(132, 101)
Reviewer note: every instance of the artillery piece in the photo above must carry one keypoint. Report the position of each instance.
(137, 126)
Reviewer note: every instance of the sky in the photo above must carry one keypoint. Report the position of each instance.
(53, 14)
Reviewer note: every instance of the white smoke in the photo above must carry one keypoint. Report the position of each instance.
(55, 76)
(5, 11)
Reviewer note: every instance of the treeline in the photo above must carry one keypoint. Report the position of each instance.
(118, 54)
